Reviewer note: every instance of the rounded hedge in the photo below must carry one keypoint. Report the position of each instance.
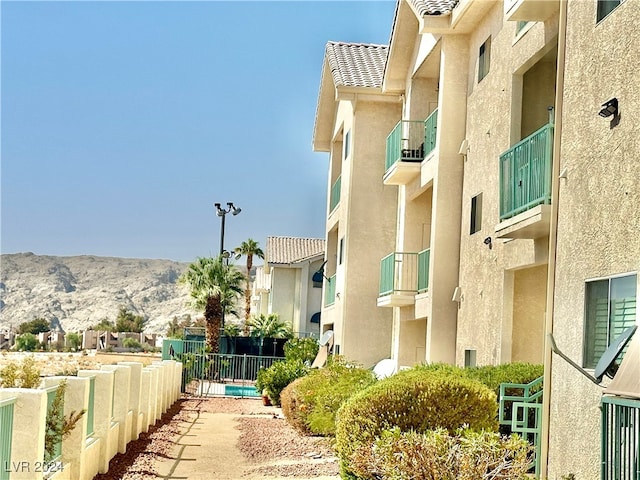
(311, 402)
(414, 400)
(276, 377)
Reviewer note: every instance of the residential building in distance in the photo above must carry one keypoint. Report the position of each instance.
(507, 204)
(284, 284)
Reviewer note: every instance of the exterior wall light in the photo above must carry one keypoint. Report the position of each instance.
(610, 107)
(488, 242)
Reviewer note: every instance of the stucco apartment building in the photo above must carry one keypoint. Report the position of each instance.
(352, 120)
(284, 284)
(515, 199)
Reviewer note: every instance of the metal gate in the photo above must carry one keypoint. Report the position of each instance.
(215, 373)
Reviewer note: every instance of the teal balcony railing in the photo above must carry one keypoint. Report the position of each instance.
(6, 434)
(90, 408)
(525, 173)
(411, 140)
(330, 291)
(57, 446)
(423, 270)
(620, 443)
(430, 130)
(405, 143)
(520, 411)
(399, 273)
(334, 199)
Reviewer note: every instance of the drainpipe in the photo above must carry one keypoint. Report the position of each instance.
(553, 239)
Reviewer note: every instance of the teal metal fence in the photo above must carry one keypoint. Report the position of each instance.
(90, 406)
(430, 132)
(620, 443)
(200, 366)
(525, 173)
(330, 291)
(6, 435)
(520, 411)
(424, 258)
(406, 142)
(334, 198)
(399, 273)
(57, 445)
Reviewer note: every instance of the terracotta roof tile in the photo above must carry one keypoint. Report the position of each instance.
(292, 249)
(356, 64)
(433, 7)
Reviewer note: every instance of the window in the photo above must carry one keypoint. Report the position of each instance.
(605, 7)
(484, 59)
(341, 251)
(469, 358)
(520, 25)
(610, 308)
(347, 140)
(476, 214)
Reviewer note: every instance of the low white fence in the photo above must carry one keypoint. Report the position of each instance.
(120, 400)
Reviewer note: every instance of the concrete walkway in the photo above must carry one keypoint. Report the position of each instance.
(206, 448)
(208, 436)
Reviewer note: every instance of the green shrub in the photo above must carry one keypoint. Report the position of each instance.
(74, 341)
(493, 375)
(310, 403)
(27, 342)
(131, 343)
(275, 378)
(439, 455)
(304, 349)
(417, 399)
(23, 375)
(293, 407)
(58, 426)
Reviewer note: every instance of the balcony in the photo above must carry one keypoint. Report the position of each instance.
(330, 291)
(530, 10)
(334, 198)
(398, 279)
(620, 446)
(408, 144)
(423, 270)
(525, 186)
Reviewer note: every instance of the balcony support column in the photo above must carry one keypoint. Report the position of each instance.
(447, 200)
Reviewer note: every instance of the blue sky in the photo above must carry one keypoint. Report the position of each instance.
(124, 122)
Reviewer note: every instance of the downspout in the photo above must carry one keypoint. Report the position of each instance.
(553, 239)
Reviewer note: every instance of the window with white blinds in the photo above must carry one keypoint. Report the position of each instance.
(610, 308)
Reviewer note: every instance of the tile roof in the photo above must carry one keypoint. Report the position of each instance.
(292, 249)
(433, 7)
(356, 64)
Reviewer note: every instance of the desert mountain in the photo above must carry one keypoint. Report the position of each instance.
(77, 292)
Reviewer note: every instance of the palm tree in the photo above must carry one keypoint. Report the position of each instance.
(270, 326)
(215, 286)
(249, 249)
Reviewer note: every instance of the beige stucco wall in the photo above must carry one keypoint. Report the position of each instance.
(293, 296)
(284, 292)
(599, 211)
(511, 101)
(529, 301)
(365, 219)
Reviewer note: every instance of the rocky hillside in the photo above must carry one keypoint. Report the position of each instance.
(78, 292)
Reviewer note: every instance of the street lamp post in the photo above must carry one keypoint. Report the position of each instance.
(221, 212)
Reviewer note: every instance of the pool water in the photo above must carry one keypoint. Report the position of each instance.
(240, 391)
